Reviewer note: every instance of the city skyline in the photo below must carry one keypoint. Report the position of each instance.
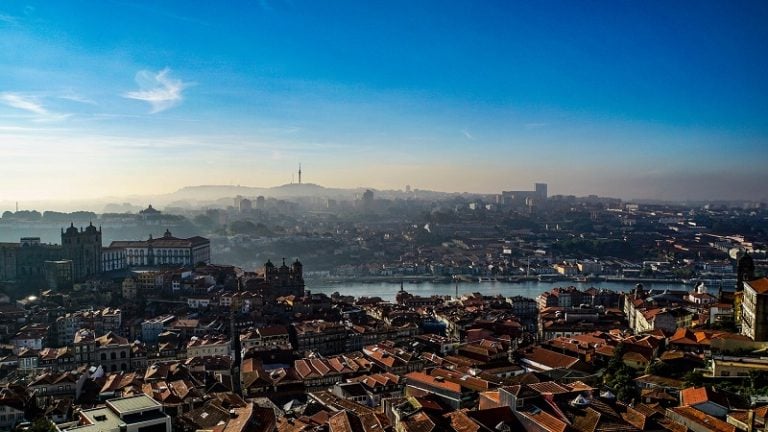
(621, 99)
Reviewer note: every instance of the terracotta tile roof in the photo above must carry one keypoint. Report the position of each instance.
(377, 380)
(460, 422)
(120, 380)
(699, 395)
(304, 370)
(320, 366)
(207, 341)
(549, 358)
(605, 350)
(660, 381)
(464, 380)
(672, 355)
(760, 285)
(578, 386)
(549, 388)
(705, 420)
(272, 331)
(636, 357)
(522, 391)
(732, 336)
(761, 411)
(490, 418)
(545, 420)
(492, 395)
(658, 394)
(635, 418)
(740, 415)
(111, 339)
(339, 422)
(420, 377)
(649, 410)
(587, 421)
(671, 425)
(418, 422)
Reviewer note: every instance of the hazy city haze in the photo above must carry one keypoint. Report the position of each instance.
(624, 99)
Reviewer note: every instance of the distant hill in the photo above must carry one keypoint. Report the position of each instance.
(294, 190)
(217, 196)
(291, 190)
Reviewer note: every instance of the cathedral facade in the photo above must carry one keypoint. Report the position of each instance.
(83, 248)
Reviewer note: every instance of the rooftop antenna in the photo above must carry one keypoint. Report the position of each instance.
(299, 172)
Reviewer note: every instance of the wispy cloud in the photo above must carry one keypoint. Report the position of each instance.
(30, 104)
(158, 89)
(8, 19)
(22, 102)
(467, 135)
(75, 97)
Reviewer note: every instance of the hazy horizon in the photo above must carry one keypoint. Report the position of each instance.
(631, 100)
(164, 199)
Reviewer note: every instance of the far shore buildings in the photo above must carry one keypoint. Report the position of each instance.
(525, 198)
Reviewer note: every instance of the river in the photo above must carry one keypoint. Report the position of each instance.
(388, 290)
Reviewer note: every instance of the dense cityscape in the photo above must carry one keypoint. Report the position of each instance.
(399, 216)
(161, 332)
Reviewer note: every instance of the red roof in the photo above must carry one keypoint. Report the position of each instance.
(416, 377)
(549, 358)
(707, 421)
(698, 395)
(760, 285)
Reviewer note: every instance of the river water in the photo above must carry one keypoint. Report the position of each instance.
(388, 290)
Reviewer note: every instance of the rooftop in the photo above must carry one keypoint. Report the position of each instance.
(760, 285)
(132, 404)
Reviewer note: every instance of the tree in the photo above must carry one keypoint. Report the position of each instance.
(617, 361)
(42, 424)
(693, 379)
(203, 221)
(657, 368)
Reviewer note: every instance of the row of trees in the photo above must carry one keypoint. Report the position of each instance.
(48, 216)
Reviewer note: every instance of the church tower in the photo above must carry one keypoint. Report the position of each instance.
(745, 270)
(83, 248)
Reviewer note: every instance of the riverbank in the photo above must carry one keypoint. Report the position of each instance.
(387, 289)
(416, 279)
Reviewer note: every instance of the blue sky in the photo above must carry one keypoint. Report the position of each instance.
(622, 98)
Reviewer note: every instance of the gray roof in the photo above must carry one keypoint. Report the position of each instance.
(128, 405)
